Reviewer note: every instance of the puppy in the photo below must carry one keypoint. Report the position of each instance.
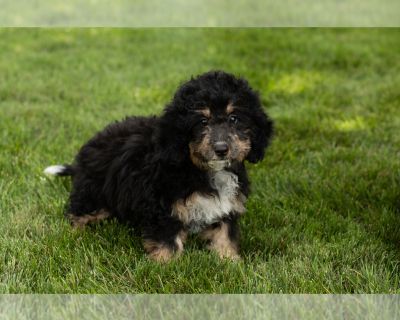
(180, 173)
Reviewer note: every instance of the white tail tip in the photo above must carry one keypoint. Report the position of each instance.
(54, 170)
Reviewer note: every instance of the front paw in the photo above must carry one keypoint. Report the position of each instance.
(231, 255)
(164, 252)
(157, 251)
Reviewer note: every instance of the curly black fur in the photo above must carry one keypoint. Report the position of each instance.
(137, 169)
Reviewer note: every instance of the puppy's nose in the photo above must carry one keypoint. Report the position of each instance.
(221, 148)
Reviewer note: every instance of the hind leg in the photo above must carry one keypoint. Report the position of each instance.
(84, 208)
(79, 222)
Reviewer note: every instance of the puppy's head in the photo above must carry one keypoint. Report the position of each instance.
(216, 119)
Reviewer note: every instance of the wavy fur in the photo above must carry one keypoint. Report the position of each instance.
(138, 169)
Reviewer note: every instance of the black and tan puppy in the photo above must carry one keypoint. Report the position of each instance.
(178, 173)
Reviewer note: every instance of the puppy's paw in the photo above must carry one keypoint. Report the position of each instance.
(79, 222)
(229, 254)
(163, 252)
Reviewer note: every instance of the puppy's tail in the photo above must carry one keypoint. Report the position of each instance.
(60, 170)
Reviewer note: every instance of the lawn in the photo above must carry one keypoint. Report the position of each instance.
(324, 214)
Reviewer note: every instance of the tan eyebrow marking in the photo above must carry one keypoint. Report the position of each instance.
(205, 112)
(230, 108)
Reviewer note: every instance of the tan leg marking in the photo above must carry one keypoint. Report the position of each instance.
(220, 242)
(79, 222)
(161, 252)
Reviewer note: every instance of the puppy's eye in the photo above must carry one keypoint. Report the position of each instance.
(204, 122)
(233, 119)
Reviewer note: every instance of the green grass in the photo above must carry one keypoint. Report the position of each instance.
(324, 214)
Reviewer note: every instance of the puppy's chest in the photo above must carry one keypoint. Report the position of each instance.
(200, 210)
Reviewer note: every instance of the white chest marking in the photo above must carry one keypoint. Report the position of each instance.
(199, 210)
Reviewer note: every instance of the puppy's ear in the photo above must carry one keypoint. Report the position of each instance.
(261, 135)
(173, 138)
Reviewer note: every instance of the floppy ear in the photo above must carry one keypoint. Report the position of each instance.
(261, 135)
(173, 139)
(174, 130)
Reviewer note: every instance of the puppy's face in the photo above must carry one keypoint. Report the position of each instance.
(221, 136)
(217, 120)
